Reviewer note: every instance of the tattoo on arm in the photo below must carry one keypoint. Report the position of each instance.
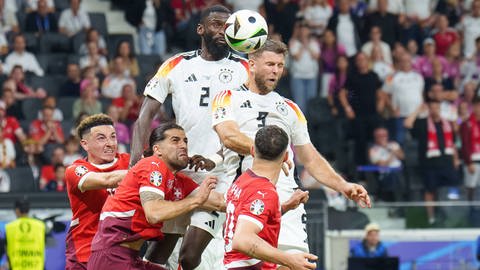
(253, 250)
(146, 196)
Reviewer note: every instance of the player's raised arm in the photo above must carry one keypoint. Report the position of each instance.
(101, 180)
(141, 128)
(247, 241)
(321, 170)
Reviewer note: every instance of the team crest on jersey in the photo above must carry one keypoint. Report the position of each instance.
(81, 171)
(282, 108)
(220, 112)
(225, 75)
(170, 184)
(257, 207)
(156, 178)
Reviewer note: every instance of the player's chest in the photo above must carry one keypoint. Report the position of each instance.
(175, 191)
(250, 113)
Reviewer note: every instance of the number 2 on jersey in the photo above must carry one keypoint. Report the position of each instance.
(261, 117)
(204, 97)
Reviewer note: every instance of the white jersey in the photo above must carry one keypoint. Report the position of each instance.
(251, 112)
(193, 82)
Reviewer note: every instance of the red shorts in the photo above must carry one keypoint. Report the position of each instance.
(119, 258)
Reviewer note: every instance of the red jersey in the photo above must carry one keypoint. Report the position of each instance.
(123, 218)
(38, 130)
(86, 205)
(10, 126)
(444, 40)
(255, 199)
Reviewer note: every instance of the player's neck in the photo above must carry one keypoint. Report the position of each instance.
(252, 86)
(207, 56)
(267, 170)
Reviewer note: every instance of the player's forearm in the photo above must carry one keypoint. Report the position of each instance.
(238, 142)
(215, 202)
(255, 247)
(160, 210)
(104, 180)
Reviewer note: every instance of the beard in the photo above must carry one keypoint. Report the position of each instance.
(260, 81)
(218, 51)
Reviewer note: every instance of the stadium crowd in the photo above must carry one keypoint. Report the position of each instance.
(362, 71)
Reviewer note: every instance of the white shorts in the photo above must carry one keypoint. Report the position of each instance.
(472, 180)
(293, 230)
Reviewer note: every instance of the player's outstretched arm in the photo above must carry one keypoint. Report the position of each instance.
(141, 128)
(101, 180)
(321, 170)
(157, 209)
(247, 241)
(215, 202)
(231, 137)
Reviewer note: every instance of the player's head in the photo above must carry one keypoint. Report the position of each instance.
(266, 65)
(271, 144)
(169, 143)
(98, 138)
(211, 29)
(22, 206)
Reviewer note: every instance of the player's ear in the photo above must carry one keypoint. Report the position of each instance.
(252, 151)
(83, 144)
(156, 150)
(285, 156)
(200, 29)
(251, 64)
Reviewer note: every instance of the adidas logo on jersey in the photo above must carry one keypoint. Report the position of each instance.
(246, 104)
(210, 224)
(191, 78)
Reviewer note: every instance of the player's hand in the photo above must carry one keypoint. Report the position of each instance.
(286, 166)
(301, 261)
(117, 176)
(200, 162)
(357, 193)
(207, 185)
(298, 197)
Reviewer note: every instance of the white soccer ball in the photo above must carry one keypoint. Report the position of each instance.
(246, 31)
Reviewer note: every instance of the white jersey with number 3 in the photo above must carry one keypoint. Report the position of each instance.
(193, 82)
(251, 112)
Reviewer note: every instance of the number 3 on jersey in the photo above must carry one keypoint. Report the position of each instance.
(204, 97)
(261, 117)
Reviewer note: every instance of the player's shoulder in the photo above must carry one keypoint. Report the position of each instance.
(123, 157)
(173, 62)
(78, 168)
(292, 106)
(152, 164)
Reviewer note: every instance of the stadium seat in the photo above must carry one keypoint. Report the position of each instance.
(67, 126)
(30, 107)
(31, 42)
(51, 83)
(61, 5)
(73, 58)
(140, 82)
(77, 41)
(65, 104)
(115, 39)
(25, 124)
(148, 64)
(22, 19)
(54, 42)
(53, 63)
(99, 22)
(21, 180)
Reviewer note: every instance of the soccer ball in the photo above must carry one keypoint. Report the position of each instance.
(246, 31)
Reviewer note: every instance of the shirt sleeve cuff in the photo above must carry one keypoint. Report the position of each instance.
(252, 219)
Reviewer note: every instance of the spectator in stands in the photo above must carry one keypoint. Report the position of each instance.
(34, 5)
(73, 20)
(470, 26)
(386, 18)
(470, 69)
(42, 20)
(121, 130)
(470, 91)
(362, 104)
(420, 12)
(8, 25)
(31, 157)
(379, 64)
(128, 104)
(395, 7)
(24, 91)
(317, 15)
(4, 182)
(436, 150)
(439, 77)
(330, 49)
(72, 150)
(21, 57)
(346, 26)
(51, 101)
(444, 36)
(412, 48)
(454, 61)
(305, 53)
(125, 51)
(14, 108)
(112, 84)
(57, 183)
(337, 82)
(376, 41)
(71, 88)
(358, 8)
(11, 128)
(470, 154)
(405, 89)
(424, 64)
(94, 59)
(448, 109)
(151, 18)
(88, 102)
(47, 170)
(7, 152)
(371, 246)
(92, 35)
(386, 153)
(47, 131)
(236, 5)
(90, 73)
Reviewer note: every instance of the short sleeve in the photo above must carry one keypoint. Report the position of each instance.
(299, 126)
(152, 177)
(75, 175)
(259, 206)
(222, 109)
(161, 84)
